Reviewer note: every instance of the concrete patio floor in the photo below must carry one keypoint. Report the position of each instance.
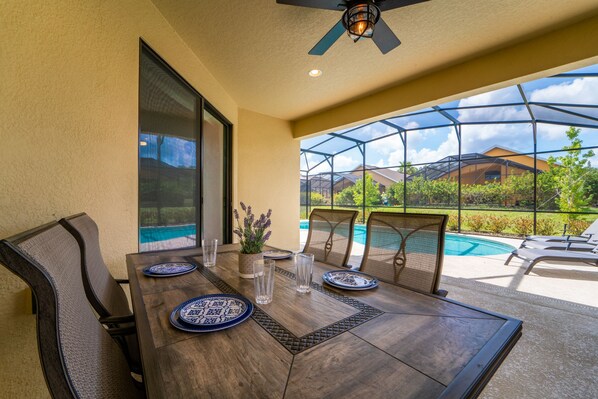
(558, 303)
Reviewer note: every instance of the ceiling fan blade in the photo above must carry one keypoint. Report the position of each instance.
(328, 39)
(384, 38)
(323, 4)
(384, 5)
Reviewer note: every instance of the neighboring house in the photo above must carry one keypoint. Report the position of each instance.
(321, 183)
(384, 177)
(495, 164)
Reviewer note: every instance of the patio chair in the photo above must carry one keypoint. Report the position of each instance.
(78, 357)
(104, 293)
(587, 234)
(531, 257)
(330, 236)
(406, 249)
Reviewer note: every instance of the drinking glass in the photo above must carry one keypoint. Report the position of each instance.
(209, 248)
(263, 279)
(304, 267)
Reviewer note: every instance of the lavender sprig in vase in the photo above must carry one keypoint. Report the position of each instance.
(252, 237)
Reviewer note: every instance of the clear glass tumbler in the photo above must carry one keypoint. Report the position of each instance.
(210, 248)
(304, 268)
(263, 279)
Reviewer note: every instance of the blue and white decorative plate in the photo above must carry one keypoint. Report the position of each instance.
(169, 269)
(181, 324)
(277, 254)
(212, 310)
(350, 280)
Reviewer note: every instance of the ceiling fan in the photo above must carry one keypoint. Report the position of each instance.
(360, 19)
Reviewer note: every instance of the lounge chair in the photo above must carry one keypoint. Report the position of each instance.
(584, 237)
(532, 256)
(561, 245)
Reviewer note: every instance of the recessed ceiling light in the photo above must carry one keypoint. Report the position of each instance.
(314, 73)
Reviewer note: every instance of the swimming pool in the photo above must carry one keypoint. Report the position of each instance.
(153, 234)
(454, 244)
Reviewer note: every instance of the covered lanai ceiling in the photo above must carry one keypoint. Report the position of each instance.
(257, 49)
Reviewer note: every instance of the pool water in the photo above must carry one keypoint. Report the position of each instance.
(454, 244)
(153, 234)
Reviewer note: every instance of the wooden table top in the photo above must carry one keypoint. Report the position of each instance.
(385, 342)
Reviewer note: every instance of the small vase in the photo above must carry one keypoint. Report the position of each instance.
(246, 264)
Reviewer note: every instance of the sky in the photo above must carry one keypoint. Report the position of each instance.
(435, 143)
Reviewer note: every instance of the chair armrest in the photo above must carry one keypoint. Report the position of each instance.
(120, 331)
(442, 293)
(117, 319)
(574, 236)
(122, 280)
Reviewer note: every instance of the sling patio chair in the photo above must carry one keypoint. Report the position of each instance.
(77, 355)
(586, 235)
(406, 249)
(330, 235)
(104, 293)
(532, 256)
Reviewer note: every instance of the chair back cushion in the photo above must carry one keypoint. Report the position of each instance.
(330, 236)
(405, 249)
(104, 293)
(79, 358)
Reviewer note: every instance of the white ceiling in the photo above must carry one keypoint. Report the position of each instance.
(257, 49)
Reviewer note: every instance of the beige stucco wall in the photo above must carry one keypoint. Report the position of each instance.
(271, 180)
(68, 136)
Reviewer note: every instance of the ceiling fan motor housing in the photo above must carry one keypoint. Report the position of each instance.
(360, 18)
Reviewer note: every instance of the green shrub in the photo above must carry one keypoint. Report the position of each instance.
(498, 224)
(148, 217)
(577, 226)
(522, 225)
(452, 223)
(547, 227)
(166, 216)
(476, 222)
(344, 197)
(317, 199)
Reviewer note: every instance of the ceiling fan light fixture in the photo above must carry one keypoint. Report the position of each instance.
(359, 20)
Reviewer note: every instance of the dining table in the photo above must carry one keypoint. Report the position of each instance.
(384, 342)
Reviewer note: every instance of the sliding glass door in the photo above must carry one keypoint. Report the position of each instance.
(184, 162)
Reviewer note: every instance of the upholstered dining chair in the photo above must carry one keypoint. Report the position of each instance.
(330, 235)
(406, 249)
(78, 357)
(103, 291)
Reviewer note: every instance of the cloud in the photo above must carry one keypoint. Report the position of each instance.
(341, 163)
(426, 155)
(577, 91)
(479, 138)
(500, 96)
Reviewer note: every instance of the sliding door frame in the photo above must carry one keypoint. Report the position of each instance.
(201, 105)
